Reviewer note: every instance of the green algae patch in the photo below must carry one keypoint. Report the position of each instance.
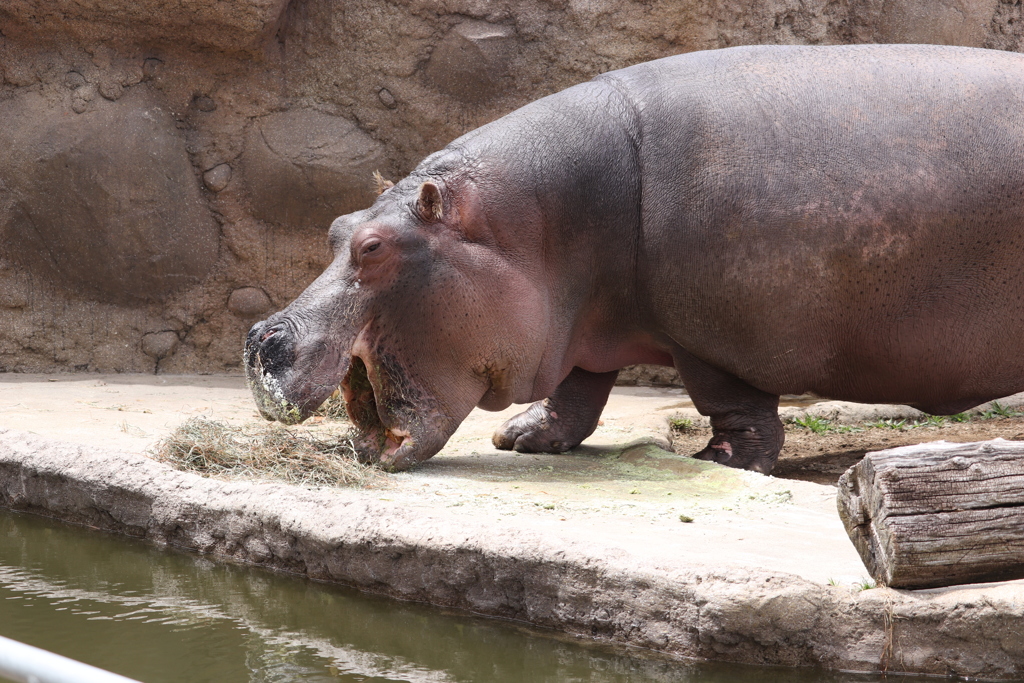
(649, 461)
(635, 471)
(665, 472)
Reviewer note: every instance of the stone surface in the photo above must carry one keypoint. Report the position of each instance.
(159, 345)
(305, 168)
(847, 413)
(942, 22)
(217, 178)
(588, 543)
(472, 60)
(249, 302)
(400, 78)
(105, 202)
(387, 99)
(222, 25)
(204, 103)
(111, 90)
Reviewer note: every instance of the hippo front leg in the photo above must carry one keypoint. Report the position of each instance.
(747, 431)
(562, 420)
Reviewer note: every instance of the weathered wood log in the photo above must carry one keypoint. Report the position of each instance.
(938, 514)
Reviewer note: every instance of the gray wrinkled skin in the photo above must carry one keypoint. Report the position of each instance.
(843, 221)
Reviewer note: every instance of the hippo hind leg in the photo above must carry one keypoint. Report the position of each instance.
(744, 440)
(747, 431)
(561, 421)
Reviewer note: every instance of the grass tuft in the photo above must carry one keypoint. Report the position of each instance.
(932, 421)
(216, 449)
(821, 425)
(892, 423)
(998, 410)
(682, 424)
(818, 425)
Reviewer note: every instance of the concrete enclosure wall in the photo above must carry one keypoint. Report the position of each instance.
(169, 170)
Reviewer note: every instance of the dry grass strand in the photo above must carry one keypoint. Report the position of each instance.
(333, 408)
(214, 448)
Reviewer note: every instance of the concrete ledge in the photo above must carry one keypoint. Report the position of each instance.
(592, 582)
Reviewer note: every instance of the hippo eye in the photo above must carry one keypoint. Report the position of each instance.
(370, 252)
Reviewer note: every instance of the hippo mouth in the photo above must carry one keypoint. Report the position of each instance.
(376, 441)
(397, 422)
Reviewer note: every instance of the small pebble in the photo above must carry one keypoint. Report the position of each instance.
(387, 99)
(151, 67)
(217, 178)
(111, 91)
(205, 103)
(81, 98)
(74, 80)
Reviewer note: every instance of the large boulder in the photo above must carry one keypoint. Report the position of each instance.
(105, 202)
(305, 168)
(472, 60)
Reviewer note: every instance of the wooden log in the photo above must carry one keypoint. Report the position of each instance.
(938, 514)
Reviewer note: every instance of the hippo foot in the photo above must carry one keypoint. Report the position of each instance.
(753, 448)
(540, 429)
(561, 421)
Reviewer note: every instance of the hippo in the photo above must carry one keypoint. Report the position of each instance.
(842, 221)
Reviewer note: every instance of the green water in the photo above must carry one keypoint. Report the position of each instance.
(158, 615)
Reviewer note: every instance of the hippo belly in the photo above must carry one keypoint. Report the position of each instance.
(845, 221)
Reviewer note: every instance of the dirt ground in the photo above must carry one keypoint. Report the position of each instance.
(822, 457)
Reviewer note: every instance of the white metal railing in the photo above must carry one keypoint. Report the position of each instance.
(27, 664)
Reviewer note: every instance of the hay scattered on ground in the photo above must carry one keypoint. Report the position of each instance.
(217, 449)
(333, 408)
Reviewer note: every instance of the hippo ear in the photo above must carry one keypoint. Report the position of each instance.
(429, 204)
(383, 184)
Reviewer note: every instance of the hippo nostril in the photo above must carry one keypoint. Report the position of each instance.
(260, 332)
(272, 331)
(271, 350)
(254, 332)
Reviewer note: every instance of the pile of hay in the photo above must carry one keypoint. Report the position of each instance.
(217, 449)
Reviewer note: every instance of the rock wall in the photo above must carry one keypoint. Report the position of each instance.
(169, 170)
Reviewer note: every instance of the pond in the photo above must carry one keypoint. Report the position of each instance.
(162, 615)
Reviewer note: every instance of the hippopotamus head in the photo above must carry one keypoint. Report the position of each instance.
(411, 319)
